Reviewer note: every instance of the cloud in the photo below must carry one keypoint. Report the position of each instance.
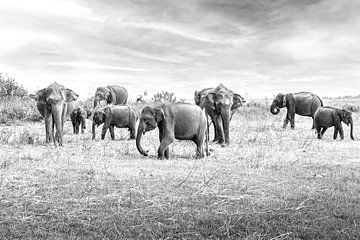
(256, 46)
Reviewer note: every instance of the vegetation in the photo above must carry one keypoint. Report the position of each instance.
(269, 183)
(15, 105)
(164, 97)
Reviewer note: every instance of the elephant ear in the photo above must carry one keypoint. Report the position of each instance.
(210, 98)
(70, 95)
(111, 96)
(197, 97)
(107, 111)
(344, 114)
(237, 101)
(159, 114)
(39, 96)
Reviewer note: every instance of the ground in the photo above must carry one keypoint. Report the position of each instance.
(270, 183)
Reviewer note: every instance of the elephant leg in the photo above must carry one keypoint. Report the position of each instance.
(49, 128)
(103, 131)
(83, 127)
(164, 147)
(166, 153)
(77, 128)
(318, 131)
(285, 122)
(112, 132)
(132, 133)
(74, 128)
(216, 135)
(339, 127)
(323, 131)
(199, 148)
(335, 133)
(292, 122)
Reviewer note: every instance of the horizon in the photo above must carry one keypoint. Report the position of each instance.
(256, 48)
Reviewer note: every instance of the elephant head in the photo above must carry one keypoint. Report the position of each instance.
(103, 93)
(199, 96)
(150, 118)
(346, 117)
(52, 104)
(278, 102)
(99, 117)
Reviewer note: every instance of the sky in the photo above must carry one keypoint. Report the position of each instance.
(257, 48)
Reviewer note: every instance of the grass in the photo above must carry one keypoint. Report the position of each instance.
(270, 183)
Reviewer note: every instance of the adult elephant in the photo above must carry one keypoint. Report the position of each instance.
(115, 95)
(175, 121)
(78, 117)
(326, 117)
(301, 103)
(220, 104)
(52, 103)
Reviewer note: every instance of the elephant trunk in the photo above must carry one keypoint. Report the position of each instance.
(83, 121)
(274, 109)
(226, 124)
(58, 120)
(140, 132)
(351, 129)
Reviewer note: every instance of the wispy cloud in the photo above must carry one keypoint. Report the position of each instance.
(254, 46)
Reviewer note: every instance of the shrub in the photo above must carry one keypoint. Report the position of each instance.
(15, 105)
(164, 97)
(9, 87)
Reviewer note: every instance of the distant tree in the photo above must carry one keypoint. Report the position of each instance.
(9, 87)
(164, 97)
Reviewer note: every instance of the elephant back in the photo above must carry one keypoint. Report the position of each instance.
(120, 93)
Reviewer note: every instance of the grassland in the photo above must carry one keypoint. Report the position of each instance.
(270, 183)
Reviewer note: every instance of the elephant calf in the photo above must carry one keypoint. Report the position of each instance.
(121, 116)
(78, 117)
(326, 117)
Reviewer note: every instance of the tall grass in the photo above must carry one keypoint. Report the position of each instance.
(270, 183)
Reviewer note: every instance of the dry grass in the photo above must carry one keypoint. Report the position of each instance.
(269, 183)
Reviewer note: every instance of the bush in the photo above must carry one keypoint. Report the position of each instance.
(9, 87)
(15, 105)
(164, 97)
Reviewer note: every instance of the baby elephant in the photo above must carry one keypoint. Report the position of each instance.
(121, 116)
(78, 117)
(326, 117)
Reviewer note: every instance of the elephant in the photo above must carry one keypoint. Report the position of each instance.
(114, 95)
(326, 117)
(182, 121)
(121, 116)
(301, 103)
(78, 117)
(220, 104)
(53, 103)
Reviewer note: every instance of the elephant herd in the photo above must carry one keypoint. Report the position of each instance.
(180, 121)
